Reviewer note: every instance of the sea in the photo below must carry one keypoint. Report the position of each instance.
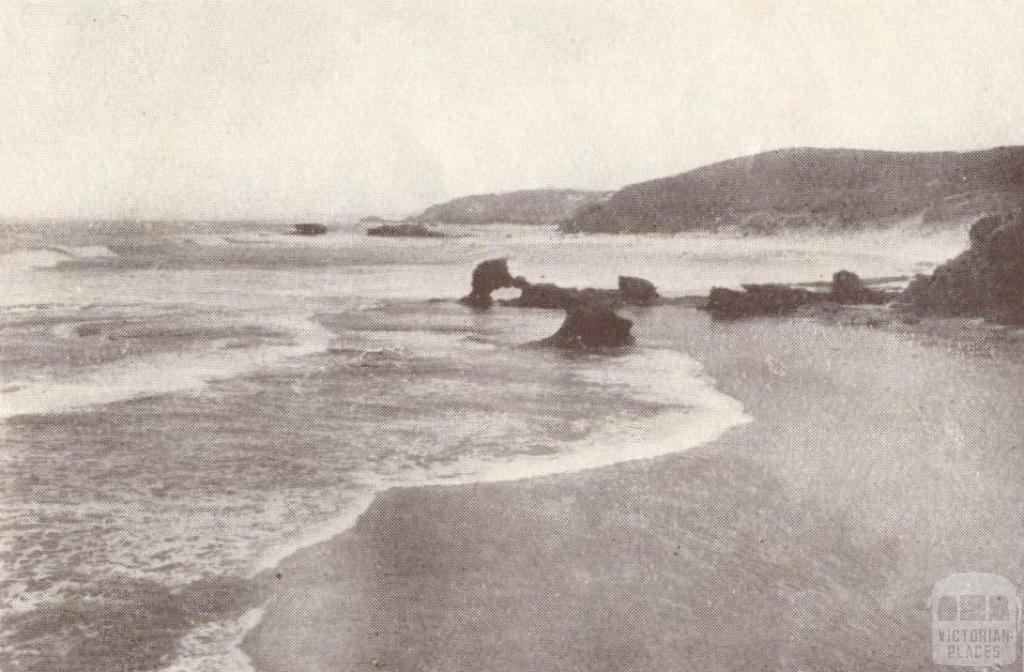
(184, 404)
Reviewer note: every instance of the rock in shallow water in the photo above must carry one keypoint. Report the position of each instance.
(488, 276)
(589, 327)
(310, 229)
(494, 274)
(403, 230)
(758, 300)
(772, 299)
(637, 291)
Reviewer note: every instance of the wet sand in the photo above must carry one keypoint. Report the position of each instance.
(878, 462)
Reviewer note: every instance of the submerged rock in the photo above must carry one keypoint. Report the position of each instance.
(404, 231)
(986, 280)
(589, 327)
(310, 230)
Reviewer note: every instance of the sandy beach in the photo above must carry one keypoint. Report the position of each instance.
(877, 463)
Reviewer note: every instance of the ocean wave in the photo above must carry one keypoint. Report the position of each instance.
(694, 413)
(159, 374)
(216, 647)
(22, 261)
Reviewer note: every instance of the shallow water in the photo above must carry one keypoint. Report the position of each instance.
(181, 406)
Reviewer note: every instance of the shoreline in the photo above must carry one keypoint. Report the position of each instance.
(428, 514)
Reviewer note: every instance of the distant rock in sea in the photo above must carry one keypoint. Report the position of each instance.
(375, 219)
(310, 229)
(987, 280)
(793, 189)
(404, 230)
(772, 299)
(532, 206)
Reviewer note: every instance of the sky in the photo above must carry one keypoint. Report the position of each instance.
(205, 110)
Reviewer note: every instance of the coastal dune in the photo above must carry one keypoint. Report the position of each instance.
(877, 463)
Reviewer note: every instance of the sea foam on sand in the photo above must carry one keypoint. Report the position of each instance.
(697, 413)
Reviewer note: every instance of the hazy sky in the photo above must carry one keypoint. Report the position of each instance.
(312, 109)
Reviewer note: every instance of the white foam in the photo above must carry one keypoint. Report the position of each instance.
(157, 374)
(697, 414)
(216, 647)
(23, 285)
(700, 414)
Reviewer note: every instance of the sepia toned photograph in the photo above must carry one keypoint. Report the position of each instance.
(511, 336)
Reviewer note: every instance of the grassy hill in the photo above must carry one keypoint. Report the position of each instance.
(806, 187)
(533, 206)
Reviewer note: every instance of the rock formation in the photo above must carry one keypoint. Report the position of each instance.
(591, 327)
(637, 291)
(488, 276)
(986, 281)
(590, 320)
(773, 299)
(547, 295)
(494, 274)
(758, 300)
(404, 231)
(848, 288)
(310, 229)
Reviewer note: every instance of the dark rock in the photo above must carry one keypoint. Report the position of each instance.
(847, 287)
(987, 280)
(589, 327)
(772, 299)
(488, 276)
(637, 291)
(547, 295)
(759, 300)
(494, 274)
(310, 229)
(404, 231)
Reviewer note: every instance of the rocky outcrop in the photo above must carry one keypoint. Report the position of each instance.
(404, 231)
(494, 274)
(637, 291)
(728, 304)
(772, 299)
(588, 327)
(310, 230)
(547, 295)
(590, 320)
(848, 288)
(489, 276)
(987, 280)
